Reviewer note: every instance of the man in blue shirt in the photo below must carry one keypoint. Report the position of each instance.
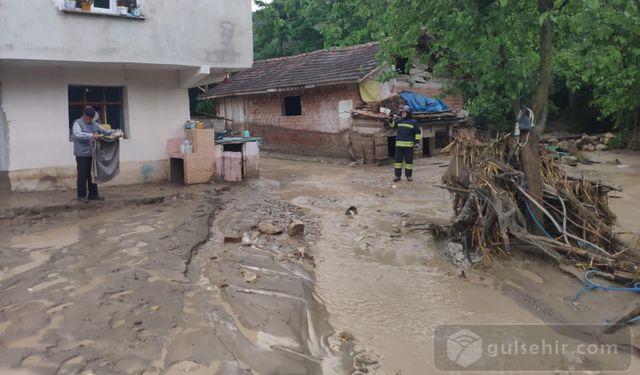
(84, 132)
(408, 138)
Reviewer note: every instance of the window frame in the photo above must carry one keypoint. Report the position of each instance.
(113, 8)
(101, 106)
(284, 105)
(112, 11)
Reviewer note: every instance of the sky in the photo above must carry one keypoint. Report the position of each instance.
(254, 7)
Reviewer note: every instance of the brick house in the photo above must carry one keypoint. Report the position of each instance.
(302, 104)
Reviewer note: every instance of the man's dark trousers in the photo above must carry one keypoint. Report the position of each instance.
(84, 178)
(404, 154)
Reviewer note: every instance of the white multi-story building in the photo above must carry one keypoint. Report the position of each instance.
(134, 69)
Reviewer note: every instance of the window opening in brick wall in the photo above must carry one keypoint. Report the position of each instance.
(292, 106)
(107, 101)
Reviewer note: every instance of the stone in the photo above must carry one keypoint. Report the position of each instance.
(588, 147)
(554, 141)
(345, 336)
(351, 211)
(246, 239)
(296, 228)
(608, 135)
(601, 147)
(569, 160)
(249, 276)
(267, 228)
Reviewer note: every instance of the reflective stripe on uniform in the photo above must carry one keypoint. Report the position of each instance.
(404, 143)
(406, 125)
(418, 137)
(397, 165)
(408, 166)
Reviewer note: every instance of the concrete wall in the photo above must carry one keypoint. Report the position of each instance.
(35, 103)
(320, 130)
(194, 33)
(4, 137)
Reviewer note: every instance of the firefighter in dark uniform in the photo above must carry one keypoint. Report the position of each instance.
(408, 139)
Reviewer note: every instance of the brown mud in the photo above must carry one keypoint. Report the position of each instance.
(154, 289)
(385, 280)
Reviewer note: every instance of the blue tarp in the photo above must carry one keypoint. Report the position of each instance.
(421, 103)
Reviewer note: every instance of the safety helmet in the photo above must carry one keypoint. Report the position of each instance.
(405, 108)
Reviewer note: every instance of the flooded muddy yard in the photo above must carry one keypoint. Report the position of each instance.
(197, 284)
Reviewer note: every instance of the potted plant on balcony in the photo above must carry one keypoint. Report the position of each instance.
(86, 5)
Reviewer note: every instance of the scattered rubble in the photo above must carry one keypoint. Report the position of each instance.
(232, 237)
(568, 148)
(296, 228)
(249, 276)
(351, 211)
(267, 228)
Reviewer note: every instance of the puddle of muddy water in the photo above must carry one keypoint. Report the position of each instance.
(391, 294)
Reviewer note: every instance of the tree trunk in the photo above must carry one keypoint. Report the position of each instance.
(541, 99)
(530, 153)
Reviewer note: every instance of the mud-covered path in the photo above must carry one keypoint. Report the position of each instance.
(385, 280)
(156, 289)
(98, 290)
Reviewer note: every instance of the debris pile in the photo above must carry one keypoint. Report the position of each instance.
(496, 214)
(421, 117)
(584, 142)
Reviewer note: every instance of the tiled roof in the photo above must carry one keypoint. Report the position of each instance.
(319, 68)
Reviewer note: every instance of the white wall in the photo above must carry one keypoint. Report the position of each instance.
(193, 33)
(35, 102)
(4, 138)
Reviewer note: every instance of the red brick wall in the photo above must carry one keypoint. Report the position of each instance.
(319, 130)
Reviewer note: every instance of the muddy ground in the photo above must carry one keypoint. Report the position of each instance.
(172, 287)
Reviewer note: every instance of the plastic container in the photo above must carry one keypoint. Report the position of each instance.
(186, 147)
(246, 134)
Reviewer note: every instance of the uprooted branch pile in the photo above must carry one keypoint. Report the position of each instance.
(493, 210)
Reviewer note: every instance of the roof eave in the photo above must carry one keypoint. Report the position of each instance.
(288, 88)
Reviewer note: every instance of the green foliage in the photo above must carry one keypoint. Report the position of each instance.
(620, 141)
(282, 29)
(491, 48)
(602, 49)
(205, 107)
(491, 112)
(634, 142)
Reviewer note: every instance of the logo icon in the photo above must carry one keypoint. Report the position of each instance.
(464, 348)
